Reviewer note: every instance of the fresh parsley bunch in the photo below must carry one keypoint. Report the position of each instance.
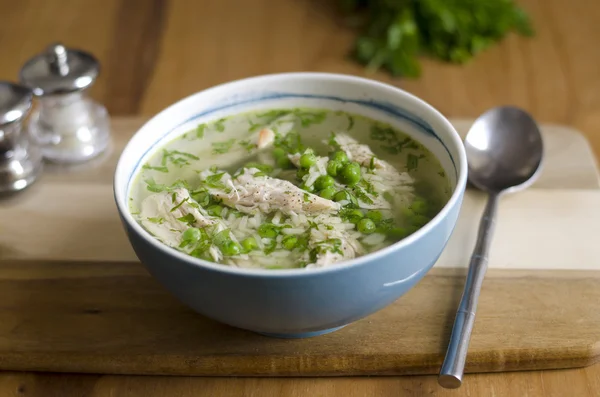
(396, 32)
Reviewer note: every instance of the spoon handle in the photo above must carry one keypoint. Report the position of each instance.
(454, 364)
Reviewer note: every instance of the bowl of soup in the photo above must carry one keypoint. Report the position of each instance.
(291, 204)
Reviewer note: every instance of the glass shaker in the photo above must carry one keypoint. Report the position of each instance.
(20, 160)
(68, 126)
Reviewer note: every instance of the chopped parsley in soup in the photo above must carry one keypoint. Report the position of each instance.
(288, 188)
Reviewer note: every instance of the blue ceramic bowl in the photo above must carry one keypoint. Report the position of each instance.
(299, 302)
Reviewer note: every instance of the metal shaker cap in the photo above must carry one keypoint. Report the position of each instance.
(60, 70)
(15, 102)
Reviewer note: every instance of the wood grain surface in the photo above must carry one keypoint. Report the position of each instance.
(115, 319)
(155, 52)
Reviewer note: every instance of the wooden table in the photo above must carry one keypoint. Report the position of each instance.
(154, 52)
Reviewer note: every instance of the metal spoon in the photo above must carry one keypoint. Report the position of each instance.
(504, 152)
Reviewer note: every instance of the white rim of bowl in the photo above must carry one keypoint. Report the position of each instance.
(429, 110)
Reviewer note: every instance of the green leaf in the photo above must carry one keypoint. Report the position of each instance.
(396, 32)
(220, 124)
(189, 219)
(223, 147)
(214, 181)
(152, 186)
(159, 169)
(200, 131)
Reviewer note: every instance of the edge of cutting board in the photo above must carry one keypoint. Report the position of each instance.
(115, 319)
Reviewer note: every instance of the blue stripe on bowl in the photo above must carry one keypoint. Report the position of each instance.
(238, 100)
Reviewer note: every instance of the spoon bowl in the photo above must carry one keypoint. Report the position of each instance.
(504, 150)
(504, 154)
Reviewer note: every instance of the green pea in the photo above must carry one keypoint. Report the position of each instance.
(230, 248)
(324, 181)
(342, 195)
(354, 216)
(283, 162)
(202, 198)
(268, 230)
(374, 215)
(289, 242)
(327, 193)
(215, 210)
(340, 157)
(300, 173)
(366, 226)
(279, 152)
(249, 244)
(350, 174)
(307, 160)
(333, 167)
(192, 234)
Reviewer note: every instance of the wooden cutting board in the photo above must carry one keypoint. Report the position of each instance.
(74, 299)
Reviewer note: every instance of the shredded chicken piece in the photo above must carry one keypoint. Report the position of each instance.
(251, 194)
(161, 214)
(332, 246)
(346, 251)
(266, 137)
(359, 152)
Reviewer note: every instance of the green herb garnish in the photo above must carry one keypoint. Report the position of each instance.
(152, 186)
(180, 204)
(390, 140)
(200, 130)
(350, 122)
(266, 168)
(159, 169)
(332, 142)
(362, 196)
(272, 115)
(201, 196)
(219, 124)
(223, 147)
(253, 126)
(249, 146)
(310, 117)
(290, 143)
(396, 32)
(177, 158)
(333, 245)
(189, 219)
(412, 162)
(214, 181)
